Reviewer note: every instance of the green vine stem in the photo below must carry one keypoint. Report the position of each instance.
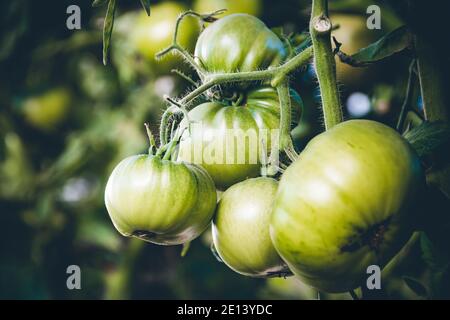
(278, 73)
(435, 100)
(176, 47)
(274, 75)
(320, 30)
(285, 115)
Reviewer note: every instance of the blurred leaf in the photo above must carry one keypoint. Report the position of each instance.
(99, 234)
(146, 5)
(14, 20)
(388, 45)
(416, 286)
(98, 3)
(16, 172)
(108, 28)
(428, 136)
(435, 259)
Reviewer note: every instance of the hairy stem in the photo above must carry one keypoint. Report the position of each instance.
(285, 115)
(164, 122)
(291, 65)
(278, 73)
(320, 30)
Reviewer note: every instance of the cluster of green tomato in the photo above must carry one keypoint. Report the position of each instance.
(342, 205)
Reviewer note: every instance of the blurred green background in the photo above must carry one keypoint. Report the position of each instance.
(66, 120)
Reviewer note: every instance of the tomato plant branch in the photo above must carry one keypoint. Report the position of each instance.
(435, 99)
(320, 30)
(275, 75)
(291, 65)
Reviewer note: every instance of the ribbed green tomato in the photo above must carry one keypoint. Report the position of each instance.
(239, 42)
(160, 201)
(252, 7)
(344, 204)
(241, 228)
(228, 141)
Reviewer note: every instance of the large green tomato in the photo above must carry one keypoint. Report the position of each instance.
(149, 35)
(343, 205)
(48, 110)
(239, 42)
(241, 228)
(160, 201)
(252, 7)
(228, 140)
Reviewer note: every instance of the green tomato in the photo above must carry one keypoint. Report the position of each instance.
(149, 35)
(160, 201)
(228, 141)
(241, 228)
(47, 110)
(239, 42)
(344, 204)
(252, 7)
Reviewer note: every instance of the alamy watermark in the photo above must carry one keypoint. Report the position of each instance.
(205, 145)
(73, 21)
(74, 279)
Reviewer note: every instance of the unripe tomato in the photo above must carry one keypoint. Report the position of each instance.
(241, 228)
(239, 42)
(160, 201)
(252, 7)
(152, 34)
(47, 110)
(226, 139)
(354, 35)
(344, 204)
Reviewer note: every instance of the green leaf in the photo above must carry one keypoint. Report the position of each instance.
(388, 45)
(107, 29)
(98, 3)
(416, 286)
(428, 136)
(436, 260)
(146, 5)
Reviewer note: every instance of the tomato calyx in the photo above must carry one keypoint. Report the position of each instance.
(166, 150)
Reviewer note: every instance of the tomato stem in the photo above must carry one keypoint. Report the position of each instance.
(324, 63)
(278, 73)
(179, 49)
(285, 141)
